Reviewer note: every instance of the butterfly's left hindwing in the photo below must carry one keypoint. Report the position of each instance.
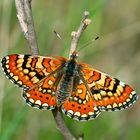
(43, 95)
(109, 94)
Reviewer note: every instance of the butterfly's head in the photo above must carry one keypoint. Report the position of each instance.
(73, 55)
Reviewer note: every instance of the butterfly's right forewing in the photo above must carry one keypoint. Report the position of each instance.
(109, 93)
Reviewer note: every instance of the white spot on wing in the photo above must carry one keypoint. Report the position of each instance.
(38, 102)
(90, 113)
(50, 82)
(133, 92)
(28, 95)
(7, 66)
(31, 100)
(127, 100)
(84, 115)
(122, 83)
(109, 106)
(70, 111)
(80, 91)
(20, 56)
(11, 74)
(15, 78)
(77, 113)
(45, 105)
(7, 57)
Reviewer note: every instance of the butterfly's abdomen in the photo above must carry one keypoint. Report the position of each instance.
(66, 83)
(64, 91)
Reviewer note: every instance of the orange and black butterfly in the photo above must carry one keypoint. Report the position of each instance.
(78, 89)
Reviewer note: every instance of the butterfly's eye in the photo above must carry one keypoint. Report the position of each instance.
(74, 55)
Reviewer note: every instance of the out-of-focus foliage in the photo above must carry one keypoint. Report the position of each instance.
(117, 52)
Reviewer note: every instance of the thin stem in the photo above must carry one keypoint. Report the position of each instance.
(24, 15)
(77, 34)
(61, 125)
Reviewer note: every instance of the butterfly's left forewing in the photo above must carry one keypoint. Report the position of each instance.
(27, 70)
(109, 93)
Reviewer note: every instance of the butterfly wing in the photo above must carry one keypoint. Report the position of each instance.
(43, 96)
(80, 105)
(110, 94)
(26, 70)
(37, 75)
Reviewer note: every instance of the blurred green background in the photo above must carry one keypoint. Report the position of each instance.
(117, 53)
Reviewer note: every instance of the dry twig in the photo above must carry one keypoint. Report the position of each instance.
(24, 14)
(76, 34)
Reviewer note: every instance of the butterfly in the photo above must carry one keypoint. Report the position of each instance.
(79, 90)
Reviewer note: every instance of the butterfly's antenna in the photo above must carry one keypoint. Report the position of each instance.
(58, 35)
(88, 43)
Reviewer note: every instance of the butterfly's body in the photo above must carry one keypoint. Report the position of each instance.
(78, 89)
(66, 84)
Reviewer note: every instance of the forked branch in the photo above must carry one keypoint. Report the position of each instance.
(24, 14)
(77, 34)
